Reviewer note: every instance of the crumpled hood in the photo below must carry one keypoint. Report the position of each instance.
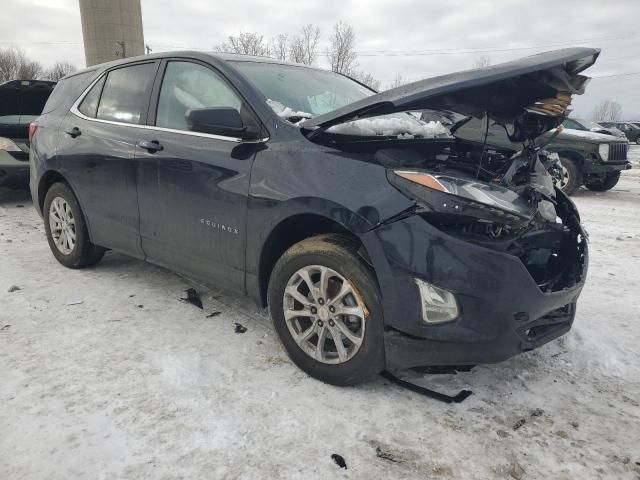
(534, 90)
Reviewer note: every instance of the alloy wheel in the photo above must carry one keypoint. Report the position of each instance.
(563, 181)
(62, 225)
(324, 314)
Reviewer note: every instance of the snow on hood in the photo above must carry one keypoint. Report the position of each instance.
(403, 128)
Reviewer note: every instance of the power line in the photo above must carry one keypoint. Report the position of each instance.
(616, 75)
(375, 53)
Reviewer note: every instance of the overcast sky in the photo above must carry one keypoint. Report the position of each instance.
(413, 38)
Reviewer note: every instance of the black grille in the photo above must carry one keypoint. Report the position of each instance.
(617, 151)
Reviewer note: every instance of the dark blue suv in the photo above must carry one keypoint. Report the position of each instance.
(376, 239)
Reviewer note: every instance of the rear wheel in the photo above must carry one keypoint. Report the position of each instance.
(604, 183)
(569, 181)
(326, 307)
(66, 229)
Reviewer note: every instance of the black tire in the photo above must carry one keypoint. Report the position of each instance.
(607, 183)
(339, 253)
(84, 253)
(573, 175)
(638, 141)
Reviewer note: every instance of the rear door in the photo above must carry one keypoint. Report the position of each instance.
(96, 153)
(193, 187)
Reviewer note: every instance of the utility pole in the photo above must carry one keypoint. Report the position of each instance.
(148, 48)
(123, 52)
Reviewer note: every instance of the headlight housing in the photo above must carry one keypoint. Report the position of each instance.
(452, 195)
(603, 151)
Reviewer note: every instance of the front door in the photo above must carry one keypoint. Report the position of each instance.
(96, 153)
(193, 187)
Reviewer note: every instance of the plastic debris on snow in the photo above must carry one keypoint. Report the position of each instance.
(287, 112)
(192, 297)
(339, 460)
(403, 128)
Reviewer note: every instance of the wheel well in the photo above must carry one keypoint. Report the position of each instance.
(46, 181)
(289, 232)
(575, 156)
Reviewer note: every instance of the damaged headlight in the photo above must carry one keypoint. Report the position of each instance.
(452, 195)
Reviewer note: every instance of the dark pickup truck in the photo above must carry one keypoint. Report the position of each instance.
(588, 158)
(21, 102)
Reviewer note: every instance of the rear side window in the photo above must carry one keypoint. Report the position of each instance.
(124, 94)
(89, 105)
(68, 90)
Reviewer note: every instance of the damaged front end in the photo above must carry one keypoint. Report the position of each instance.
(528, 219)
(475, 191)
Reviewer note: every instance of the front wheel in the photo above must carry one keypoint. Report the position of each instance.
(609, 181)
(66, 229)
(326, 307)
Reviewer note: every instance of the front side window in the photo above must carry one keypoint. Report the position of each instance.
(188, 86)
(89, 105)
(124, 94)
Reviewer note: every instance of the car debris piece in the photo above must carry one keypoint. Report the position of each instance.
(461, 396)
(240, 328)
(213, 314)
(519, 424)
(192, 297)
(6, 327)
(338, 459)
(13, 288)
(76, 302)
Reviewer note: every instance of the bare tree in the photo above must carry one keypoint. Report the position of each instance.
(14, 65)
(398, 81)
(60, 70)
(482, 62)
(280, 46)
(366, 78)
(250, 43)
(607, 110)
(341, 52)
(303, 48)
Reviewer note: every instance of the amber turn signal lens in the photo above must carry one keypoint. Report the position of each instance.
(423, 179)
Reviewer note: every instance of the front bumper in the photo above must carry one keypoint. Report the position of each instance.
(605, 167)
(502, 310)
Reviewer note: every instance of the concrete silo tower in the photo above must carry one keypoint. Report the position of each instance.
(111, 29)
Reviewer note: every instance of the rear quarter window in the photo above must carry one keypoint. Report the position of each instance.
(68, 90)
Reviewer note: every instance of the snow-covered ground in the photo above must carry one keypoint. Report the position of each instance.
(133, 383)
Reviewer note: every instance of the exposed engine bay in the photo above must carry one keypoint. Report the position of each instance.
(499, 199)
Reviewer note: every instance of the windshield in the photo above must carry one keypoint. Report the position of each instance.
(303, 89)
(589, 124)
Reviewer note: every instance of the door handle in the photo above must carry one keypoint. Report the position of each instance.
(151, 146)
(73, 132)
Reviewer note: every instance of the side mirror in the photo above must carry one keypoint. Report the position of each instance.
(219, 121)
